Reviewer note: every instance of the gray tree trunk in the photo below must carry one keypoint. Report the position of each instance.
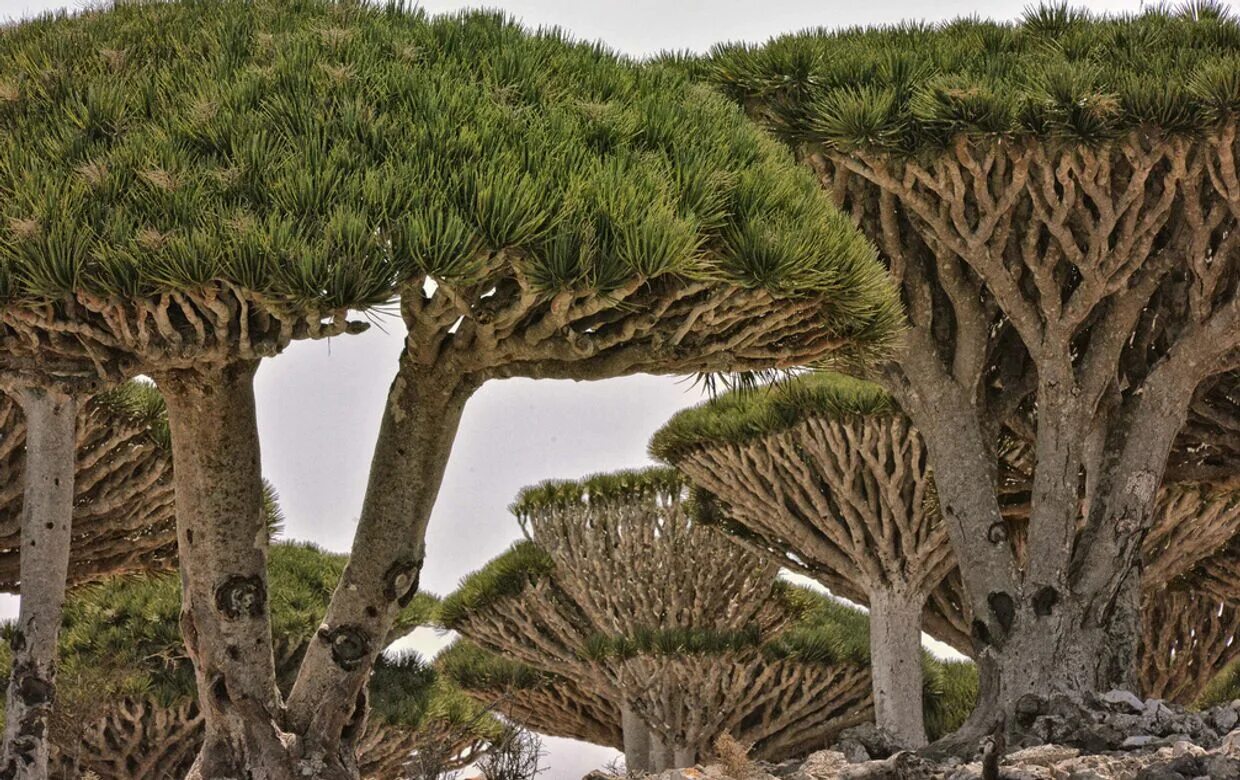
(636, 740)
(661, 755)
(684, 757)
(47, 517)
(327, 703)
(895, 665)
(222, 543)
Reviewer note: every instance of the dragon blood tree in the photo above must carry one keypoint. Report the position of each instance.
(624, 595)
(824, 475)
(122, 505)
(126, 705)
(1058, 199)
(115, 514)
(681, 638)
(214, 180)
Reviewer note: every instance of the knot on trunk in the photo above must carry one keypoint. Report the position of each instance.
(1003, 607)
(350, 645)
(1044, 601)
(400, 581)
(240, 596)
(33, 690)
(997, 532)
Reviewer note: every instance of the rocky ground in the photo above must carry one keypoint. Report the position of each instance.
(1116, 736)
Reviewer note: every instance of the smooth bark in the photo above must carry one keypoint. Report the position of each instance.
(895, 666)
(662, 756)
(684, 757)
(636, 740)
(47, 516)
(222, 541)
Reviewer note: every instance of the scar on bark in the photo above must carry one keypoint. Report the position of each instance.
(349, 645)
(240, 596)
(400, 581)
(1044, 601)
(1003, 607)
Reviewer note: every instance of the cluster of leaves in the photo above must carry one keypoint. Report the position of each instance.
(138, 403)
(749, 413)
(504, 576)
(476, 669)
(1056, 73)
(122, 635)
(660, 484)
(323, 153)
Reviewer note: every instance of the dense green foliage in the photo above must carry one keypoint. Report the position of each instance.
(476, 669)
(749, 413)
(949, 693)
(1057, 73)
(615, 486)
(319, 153)
(122, 636)
(140, 403)
(503, 576)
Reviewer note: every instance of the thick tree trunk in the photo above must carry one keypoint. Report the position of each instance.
(895, 665)
(661, 755)
(327, 706)
(222, 543)
(636, 741)
(684, 757)
(1066, 652)
(47, 515)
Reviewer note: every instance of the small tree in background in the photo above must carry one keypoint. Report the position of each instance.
(1058, 199)
(824, 474)
(127, 708)
(122, 506)
(215, 180)
(623, 594)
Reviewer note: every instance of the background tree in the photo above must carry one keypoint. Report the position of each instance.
(682, 644)
(122, 506)
(186, 203)
(1058, 199)
(825, 475)
(127, 707)
(117, 516)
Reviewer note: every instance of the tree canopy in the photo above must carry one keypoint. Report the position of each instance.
(1057, 73)
(298, 160)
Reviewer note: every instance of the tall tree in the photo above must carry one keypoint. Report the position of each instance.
(1058, 198)
(127, 707)
(825, 475)
(112, 479)
(218, 179)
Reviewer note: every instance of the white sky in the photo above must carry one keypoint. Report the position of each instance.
(319, 403)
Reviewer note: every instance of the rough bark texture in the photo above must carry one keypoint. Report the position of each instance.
(895, 664)
(222, 541)
(1098, 283)
(123, 516)
(47, 514)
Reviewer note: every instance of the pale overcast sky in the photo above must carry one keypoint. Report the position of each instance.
(320, 403)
